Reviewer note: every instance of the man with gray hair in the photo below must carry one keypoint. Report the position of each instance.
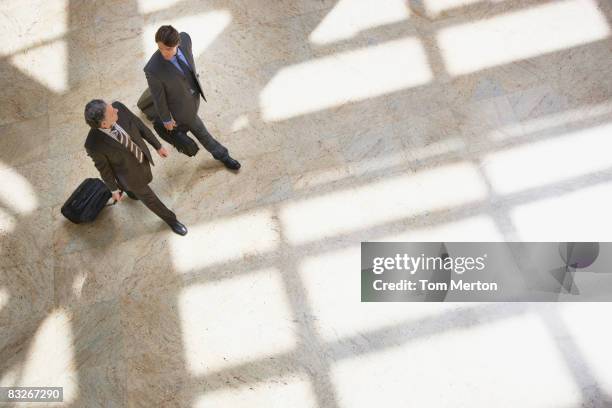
(116, 145)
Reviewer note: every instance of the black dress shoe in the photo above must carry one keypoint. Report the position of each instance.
(231, 164)
(131, 195)
(178, 228)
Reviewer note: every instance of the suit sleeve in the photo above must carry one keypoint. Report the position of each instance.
(159, 97)
(146, 134)
(186, 40)
(106, 172)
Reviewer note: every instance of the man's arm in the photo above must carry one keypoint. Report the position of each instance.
(159, 97)
(146, 134)
(186, 40)
(106, 172)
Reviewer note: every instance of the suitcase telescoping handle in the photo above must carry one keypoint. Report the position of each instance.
(114, 201)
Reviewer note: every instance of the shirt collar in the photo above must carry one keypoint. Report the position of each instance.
(178, 54)
(108, 130)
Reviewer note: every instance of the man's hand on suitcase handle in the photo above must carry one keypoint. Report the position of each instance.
(170, 125)
(117, 195)
(163, 152)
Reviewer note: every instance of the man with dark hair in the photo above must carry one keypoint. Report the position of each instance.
(175, 88)
(116, 145)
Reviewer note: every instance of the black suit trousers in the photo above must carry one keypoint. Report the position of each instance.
(198, 129)
(211, 144)
(153, 203)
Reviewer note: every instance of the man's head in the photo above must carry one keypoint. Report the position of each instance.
(99, 114)
(167, 39)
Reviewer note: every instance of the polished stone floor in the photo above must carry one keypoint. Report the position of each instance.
(355, 120)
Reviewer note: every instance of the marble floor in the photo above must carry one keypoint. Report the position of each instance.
(354, 120)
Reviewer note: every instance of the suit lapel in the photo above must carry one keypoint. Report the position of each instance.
(114, 143)
(168, 66)
(111, 141)
(125, 122)
(189, 57)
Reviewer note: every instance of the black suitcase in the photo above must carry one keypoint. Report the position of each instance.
(176, 137)
(145, 104)
(87, 201)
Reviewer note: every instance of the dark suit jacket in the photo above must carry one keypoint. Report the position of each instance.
(169, 87)
(118, 167)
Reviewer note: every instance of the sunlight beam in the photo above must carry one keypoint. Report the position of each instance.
(7, 222)
(466, 357)
(151, 6)
(47, 64)
(26, 27)
(591, 337)
(387, 200)
(519, 35)
(349, 17)
(224, 241)
(233, 321)
(345, 77)
(333, 292)
(16, 192)
(4, 297)
(550, 161)
(50, 361)
(580, 215)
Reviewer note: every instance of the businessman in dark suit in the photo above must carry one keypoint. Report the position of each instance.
(116, 144)
(176, 90)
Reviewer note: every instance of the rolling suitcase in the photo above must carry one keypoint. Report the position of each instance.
(87, 201)
(176, 137)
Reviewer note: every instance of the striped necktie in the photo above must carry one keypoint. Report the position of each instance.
(127, 142)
